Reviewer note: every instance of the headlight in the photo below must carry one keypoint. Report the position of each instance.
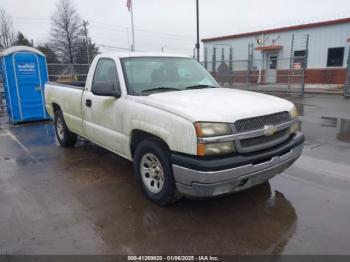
(215, 149)
(204, 129)
(212, 129)
(293, 115)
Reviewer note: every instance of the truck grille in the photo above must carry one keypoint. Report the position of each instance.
(261, 142)
(254, 123)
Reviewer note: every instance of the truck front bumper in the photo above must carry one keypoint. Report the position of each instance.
(200, 177)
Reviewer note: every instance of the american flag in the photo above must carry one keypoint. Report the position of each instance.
(128, 4)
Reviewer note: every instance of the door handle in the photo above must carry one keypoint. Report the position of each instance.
(88, 103)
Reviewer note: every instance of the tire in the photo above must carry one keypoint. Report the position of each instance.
(65, 137)
(152, 157)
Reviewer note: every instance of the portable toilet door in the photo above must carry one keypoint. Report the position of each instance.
(24, 70)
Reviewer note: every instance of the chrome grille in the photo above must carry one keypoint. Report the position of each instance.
(254, 123)
(262, 140)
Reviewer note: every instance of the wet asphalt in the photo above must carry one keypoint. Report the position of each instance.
(86, 201)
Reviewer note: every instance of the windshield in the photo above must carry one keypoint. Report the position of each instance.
(147, 75)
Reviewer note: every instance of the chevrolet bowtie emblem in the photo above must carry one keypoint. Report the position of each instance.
(269, 130)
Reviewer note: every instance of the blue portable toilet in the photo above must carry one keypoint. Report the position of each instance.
(24, 72)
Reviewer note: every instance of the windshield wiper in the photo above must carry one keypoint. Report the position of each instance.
(200, 86)
(161, 88)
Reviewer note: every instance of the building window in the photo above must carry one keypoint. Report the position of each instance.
(335, 56)
(273, 62)
(299, 59)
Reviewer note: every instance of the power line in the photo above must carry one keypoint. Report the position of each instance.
(42, 20)
(98, 37)
(141, 30)
(143, 42)
(116, 47)
(142, 35)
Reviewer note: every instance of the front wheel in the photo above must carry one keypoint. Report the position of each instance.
(65, 137)
(154, 173)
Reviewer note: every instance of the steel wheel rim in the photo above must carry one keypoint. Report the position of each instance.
(60, 128)
(152, 173)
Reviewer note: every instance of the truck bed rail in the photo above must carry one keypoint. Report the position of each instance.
(74, 85)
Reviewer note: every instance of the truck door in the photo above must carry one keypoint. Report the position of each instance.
(103, 115)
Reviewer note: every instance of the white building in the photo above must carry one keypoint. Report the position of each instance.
(273, 54)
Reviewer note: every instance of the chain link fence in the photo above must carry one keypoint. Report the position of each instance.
(284, 73)
(347, 81)
(2, 98)
(72, 74)
(264, 67)
(270, 73)
(68, 73)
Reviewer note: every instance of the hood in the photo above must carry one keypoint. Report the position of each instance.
(216, 104)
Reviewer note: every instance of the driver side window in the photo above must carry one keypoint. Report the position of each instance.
(106, 72)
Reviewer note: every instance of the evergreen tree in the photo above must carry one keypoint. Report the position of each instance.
(51, 57)
(82, 55)
(22, 40)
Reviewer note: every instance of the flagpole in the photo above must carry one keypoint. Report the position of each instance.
(197, 44)
(132, 27)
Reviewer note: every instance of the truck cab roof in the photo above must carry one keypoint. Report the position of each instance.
(140, 54)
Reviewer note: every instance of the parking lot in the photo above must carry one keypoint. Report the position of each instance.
(86, 201)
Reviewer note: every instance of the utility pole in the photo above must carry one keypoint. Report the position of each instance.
(130, 7)
(163, 48)
(291, 61)
(132, 28)
(85, 32)
(197, 44)
(302, 92)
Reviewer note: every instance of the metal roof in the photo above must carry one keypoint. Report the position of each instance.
(281, 29)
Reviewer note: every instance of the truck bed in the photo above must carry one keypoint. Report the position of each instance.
(69, 97)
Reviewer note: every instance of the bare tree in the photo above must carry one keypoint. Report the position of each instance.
(66, 31)
(7, 34)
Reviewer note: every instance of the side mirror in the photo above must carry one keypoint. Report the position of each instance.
(117, 93)
(106, 89)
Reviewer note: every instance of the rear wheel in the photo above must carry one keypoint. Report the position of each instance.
(154, 173)
(65, 137)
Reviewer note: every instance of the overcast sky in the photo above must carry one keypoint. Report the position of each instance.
(171, 23)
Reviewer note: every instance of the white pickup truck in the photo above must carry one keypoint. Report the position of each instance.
(184, 133)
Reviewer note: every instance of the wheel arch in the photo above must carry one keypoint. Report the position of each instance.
(137, 136)
(56, 107)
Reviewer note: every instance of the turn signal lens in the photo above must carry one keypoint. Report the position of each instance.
(201, 149)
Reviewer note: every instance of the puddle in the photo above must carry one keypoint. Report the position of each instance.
(301, 108)
(343, 130)
(342, 125)
(21, 161)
